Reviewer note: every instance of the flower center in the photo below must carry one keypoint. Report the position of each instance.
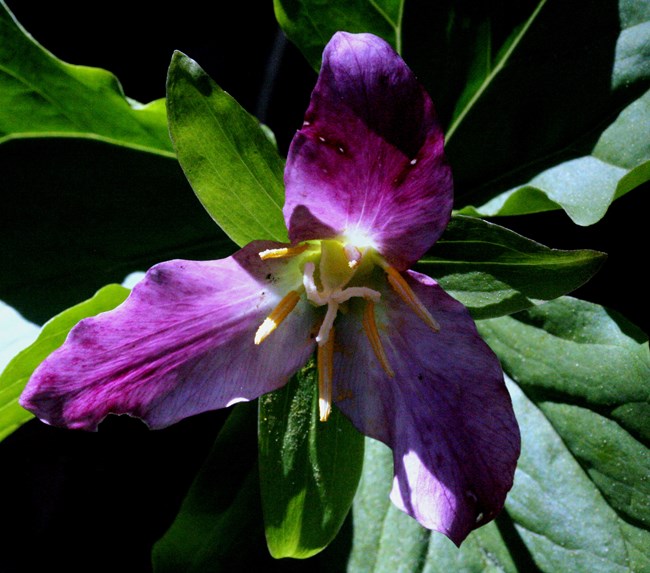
(337, 266)
(328, 272)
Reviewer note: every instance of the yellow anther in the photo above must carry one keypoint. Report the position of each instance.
(325, 359)
(283, 252)
(370, 328)
(278, 314)
(405, 292)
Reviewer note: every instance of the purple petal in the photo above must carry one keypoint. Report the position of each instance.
(446, 413)
(182, 343)
(368, 162)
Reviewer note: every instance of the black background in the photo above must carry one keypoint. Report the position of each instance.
(97, 502)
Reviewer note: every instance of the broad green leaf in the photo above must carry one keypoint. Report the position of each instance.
(590, 367)
(580, 498)
(309, 470)
(311, 23)
(386, 540)
(15, 375)
(533, 128)
(219, 524)
(586, 186)
(563, 515)
(41, 96)
(494, 271)
(234, 169)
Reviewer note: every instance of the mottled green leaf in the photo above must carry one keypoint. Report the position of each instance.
(15, 375)
(580, 501)
(311, 23)
(230, 162)
(583, 492)
(309, 470)
(41, 96)
(494, 271)
(386, 540)
(549, 118)
(585, 187)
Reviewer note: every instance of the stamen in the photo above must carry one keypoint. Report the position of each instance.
(370, 328)
(405, 292)
(278, 314)
(283, 252)
(325, 358)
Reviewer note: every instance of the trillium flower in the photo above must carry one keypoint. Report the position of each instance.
(368, 192)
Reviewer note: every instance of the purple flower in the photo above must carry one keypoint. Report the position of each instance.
(368, 192)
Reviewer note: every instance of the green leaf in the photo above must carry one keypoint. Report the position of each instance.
(309, 470)
(234, 169)
(528, 128)
(580, 498)
(494, 271)
(386, 540)
(484, 66)
(586, 187)
(311, 23)
(41, 96)
(15, 375)
(583, 482)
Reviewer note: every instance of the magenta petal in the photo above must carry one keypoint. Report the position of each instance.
(446, 413)
(368, 162)
(182, 343)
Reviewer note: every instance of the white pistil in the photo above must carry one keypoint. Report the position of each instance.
(333, 298)
(310, 285)
(328, 322)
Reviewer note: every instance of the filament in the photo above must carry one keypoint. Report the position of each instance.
(325, 358)
(401, 287)
(370, 328)
(278, 314)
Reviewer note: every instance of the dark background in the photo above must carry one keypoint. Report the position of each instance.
(97, 502)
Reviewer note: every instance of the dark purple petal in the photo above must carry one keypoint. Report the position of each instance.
(182, 343)
(368, 161)
(446, 413)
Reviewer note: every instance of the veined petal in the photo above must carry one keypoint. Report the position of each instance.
(445, 413)
(182, 343)
(368, 162)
